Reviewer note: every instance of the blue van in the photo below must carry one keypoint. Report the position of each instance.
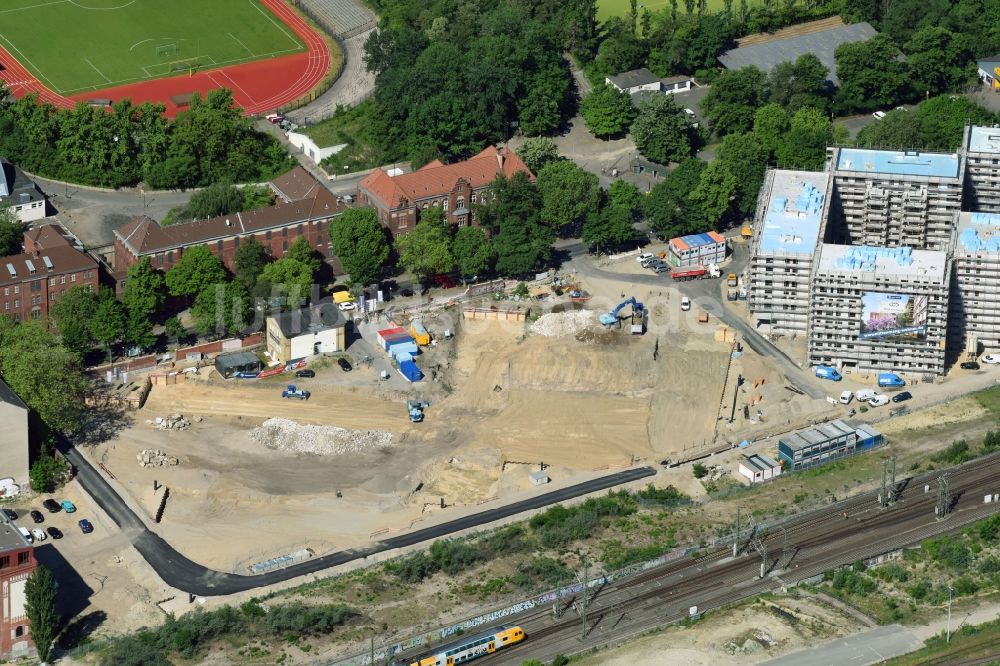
(890, 380)
(826, 372)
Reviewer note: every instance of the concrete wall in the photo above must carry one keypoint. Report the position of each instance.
(14, 443)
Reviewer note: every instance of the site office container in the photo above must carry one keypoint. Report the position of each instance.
(410, 371)
(384, 333)
(419, 333)
(403, 347)
(396, 338)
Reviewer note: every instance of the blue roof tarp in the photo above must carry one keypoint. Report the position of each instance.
(410, 371)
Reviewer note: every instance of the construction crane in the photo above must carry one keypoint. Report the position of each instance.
(610, 318)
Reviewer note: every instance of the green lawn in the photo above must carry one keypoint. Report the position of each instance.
(78, 45)
(608, 8)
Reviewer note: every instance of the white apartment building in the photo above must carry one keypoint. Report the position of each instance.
(982, 171)
(975, 285)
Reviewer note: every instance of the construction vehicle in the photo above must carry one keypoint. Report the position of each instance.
(746, 232)
(415, 408)
(731, 280)
(714, 270)
(291, 391)
(610, 318)
(688, 273)
(731, 294)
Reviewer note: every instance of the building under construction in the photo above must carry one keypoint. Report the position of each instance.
(825, 442)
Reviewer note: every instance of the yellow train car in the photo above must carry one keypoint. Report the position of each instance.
(472, 647)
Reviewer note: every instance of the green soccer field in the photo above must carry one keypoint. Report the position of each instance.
(78, 45)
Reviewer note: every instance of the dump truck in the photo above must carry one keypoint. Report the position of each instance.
(415, 409)
(688, 273)
(291, 391)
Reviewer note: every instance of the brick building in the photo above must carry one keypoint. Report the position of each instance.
(52, 262)
(304, 208)
(454, 187)
(17, 561)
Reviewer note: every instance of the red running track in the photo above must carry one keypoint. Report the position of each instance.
(258, 87)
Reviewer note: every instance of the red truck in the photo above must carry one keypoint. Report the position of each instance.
(688, 273)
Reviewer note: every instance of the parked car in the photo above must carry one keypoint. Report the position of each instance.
(274, 118)
(991, 359)
(347, 306)
(39, 535)
(67, 506)
(10, 513)
(845, 397)
(969, 365)
(344, 364)
(54, 532)
(661, 267)
(879, 115)
(37, 516)
(305, 373)
(642, 258)
(51, 505)
(685, 303)
(443, 281)
(863, 395)
(879, 400)
(902, 397)
(85, 526)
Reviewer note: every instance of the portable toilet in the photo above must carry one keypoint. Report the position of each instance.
(419, 333)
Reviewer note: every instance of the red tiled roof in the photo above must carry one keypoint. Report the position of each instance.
(145, 236)
(63, 257)
(296, 184)
(436, 179)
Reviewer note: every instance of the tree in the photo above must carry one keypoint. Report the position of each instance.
(668, 207)
(46, 473)
(302, 251)
(174, 328)
(733, 98)
(221, 309)
(249, 261)
(799, 84)
(871, 75)
(607, 111)
(139, 330)
(537, 152)
(522, 245)
(110, 320)
(713, 196)
(40, 607)
(291, 276)
(144, 289)
(11, 232)
(624, 195)
(746, 159)
(661, 131)
(72, 314)
(196, 269)
(473, 251)
(427, 249)
(44, 374)
(514, 197)
(610, 228)
(770, 125)
(359, 242)
(804, 146)
(620, 50)
(569, 194)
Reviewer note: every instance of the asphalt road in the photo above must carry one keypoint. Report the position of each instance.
(868, 647)
(180, 572)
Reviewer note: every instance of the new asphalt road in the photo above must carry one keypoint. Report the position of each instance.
(183, 574)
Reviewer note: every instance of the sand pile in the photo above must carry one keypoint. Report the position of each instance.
(285, 435)
(555, 324)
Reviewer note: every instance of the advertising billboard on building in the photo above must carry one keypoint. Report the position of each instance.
(899, 316)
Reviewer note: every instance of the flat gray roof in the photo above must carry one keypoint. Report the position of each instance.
(894, 261)
(635, 77)
(10, 538)
(760, 462)
(899, 162)
(7, 395)
(794, 212)
(310, 320)
(984, 139)
(767, 55)
(818, 434)
(237, 359)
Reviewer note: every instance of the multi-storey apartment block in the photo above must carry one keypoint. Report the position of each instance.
(982, 179)
(975, 284)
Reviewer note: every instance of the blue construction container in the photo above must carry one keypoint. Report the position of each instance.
(400, 346)
(410, 371)
(390, 339)
(403, 357)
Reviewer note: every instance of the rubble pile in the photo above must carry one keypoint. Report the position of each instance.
(285, 435)
(155, 458)
(172, 422)
(555, 324)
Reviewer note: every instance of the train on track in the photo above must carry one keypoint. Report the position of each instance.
(467, 649)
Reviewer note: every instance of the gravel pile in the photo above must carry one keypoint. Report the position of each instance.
(285, 435)
(555, 324)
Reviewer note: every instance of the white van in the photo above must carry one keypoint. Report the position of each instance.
(865, 394)
(845, 397)
(879, 400)
(26, 534)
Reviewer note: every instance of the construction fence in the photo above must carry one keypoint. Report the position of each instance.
(212, 348)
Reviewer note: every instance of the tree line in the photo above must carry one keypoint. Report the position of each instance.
(125, 145)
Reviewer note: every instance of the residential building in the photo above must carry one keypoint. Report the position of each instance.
(989, 71)
(456, 188)
(758, 468)
(20, 193)
(825, 442)
(791, 212)
(17, 561)
(974, 317)
(634, 81)
(14, 440)
(982, 171)
(892, 198)
(877, 308)
(820, 38)
(307, 212)
(704, 249)
(33, 281)
(315, 330)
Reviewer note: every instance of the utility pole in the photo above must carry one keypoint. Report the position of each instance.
(763, 561)
(586, 597)
(948, 640)
(887, 497)
(736, 539)
(944, 496)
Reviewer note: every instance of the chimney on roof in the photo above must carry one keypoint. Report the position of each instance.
(500, 157)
